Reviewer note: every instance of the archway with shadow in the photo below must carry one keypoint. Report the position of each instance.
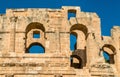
(35, 25)
(34, 32)
(77, 64)
(35, 48)
(79, 27)
(109, 52)
(78, 59)
(78, 36)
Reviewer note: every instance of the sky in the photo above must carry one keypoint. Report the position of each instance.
(107, 10)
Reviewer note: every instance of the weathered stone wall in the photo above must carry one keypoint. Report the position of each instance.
(17, 27)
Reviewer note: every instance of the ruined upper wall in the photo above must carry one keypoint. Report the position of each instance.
(53, 20)
(18, 26)
(50, 18)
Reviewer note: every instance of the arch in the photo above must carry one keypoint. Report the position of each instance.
(73, 41)
(38, 45)
(81, 32)
(110, 51)
(80, 55)
(76, 65)
(35, 32)
(80, 27)
(35, 25)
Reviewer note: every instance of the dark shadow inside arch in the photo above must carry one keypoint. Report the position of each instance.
(109, 56)
(80, 27)
(35, 48)
(110, 47)
(80, 55)
(36, 34)
(73, 41)
(35, 25)
(76, 65)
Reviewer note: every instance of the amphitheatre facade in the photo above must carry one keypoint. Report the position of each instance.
(17, 30)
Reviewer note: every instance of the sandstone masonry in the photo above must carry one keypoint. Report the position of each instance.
(18, 26)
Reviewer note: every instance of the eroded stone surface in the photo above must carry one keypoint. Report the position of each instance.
(18, 26)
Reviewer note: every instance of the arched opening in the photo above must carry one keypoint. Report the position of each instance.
(73, 41)
(78, 44)
(35, 32)
(35, 25)
(80, 27)
(80, 32)
(76, 62)
(108, 53)
(78, 58)
(35, 48)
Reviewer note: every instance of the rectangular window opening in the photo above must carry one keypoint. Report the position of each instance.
(71, 13)
(36, 34)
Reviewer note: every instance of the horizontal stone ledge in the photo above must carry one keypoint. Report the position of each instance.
(51, 64)
(101, 74)
(42, 72)
(33, 57)
(26, 55)
(4, 32)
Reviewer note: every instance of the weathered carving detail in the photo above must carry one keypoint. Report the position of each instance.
(101, 66)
